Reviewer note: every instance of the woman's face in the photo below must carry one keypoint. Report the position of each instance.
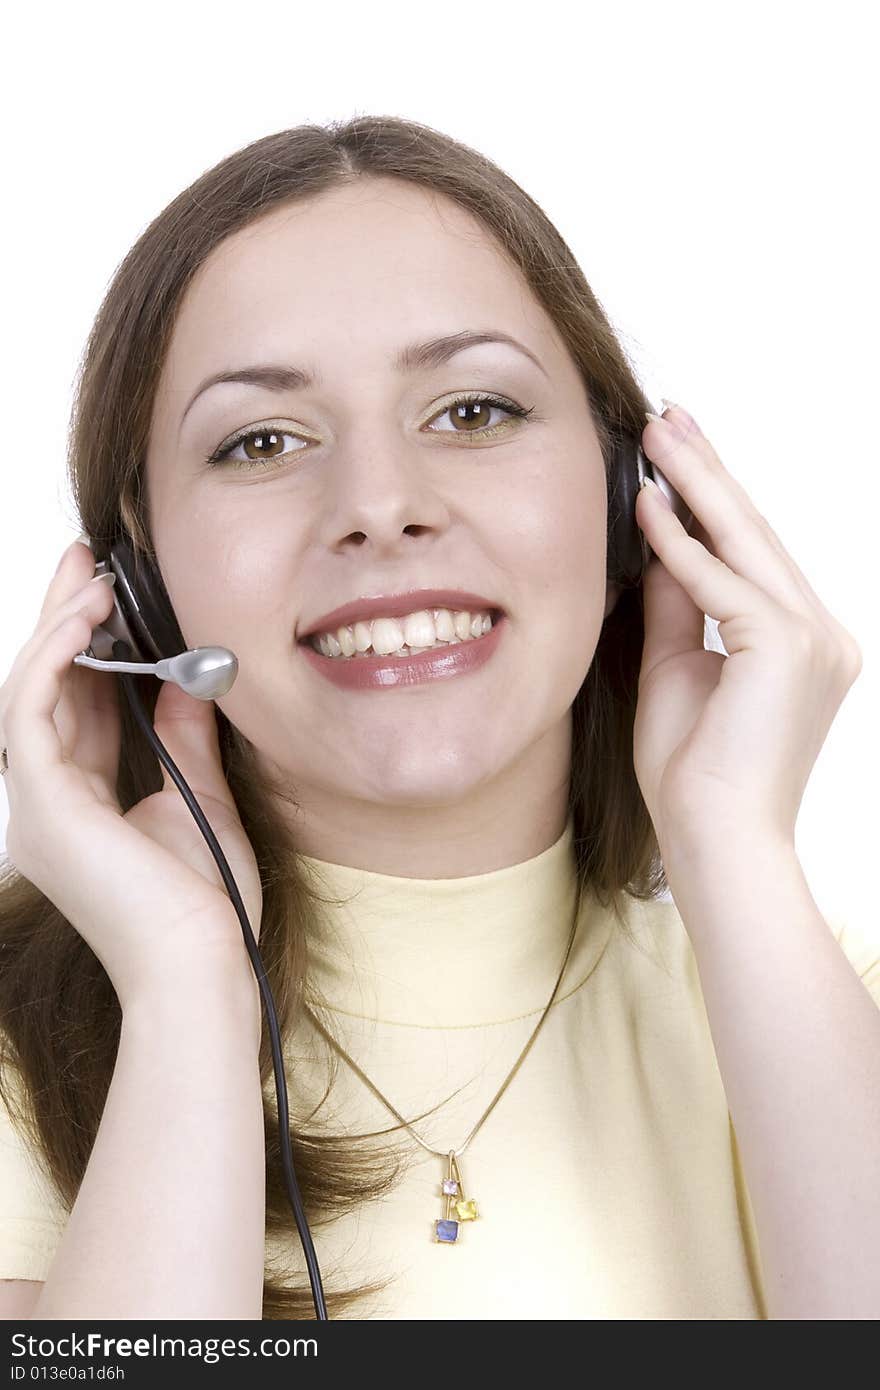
(368, 483)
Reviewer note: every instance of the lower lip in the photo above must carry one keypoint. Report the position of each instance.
(385, 673)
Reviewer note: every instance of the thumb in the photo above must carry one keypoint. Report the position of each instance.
(188, 729)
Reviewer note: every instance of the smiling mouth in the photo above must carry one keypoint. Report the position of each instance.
(496, 616)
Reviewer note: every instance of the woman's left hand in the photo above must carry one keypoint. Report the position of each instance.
(721, 743)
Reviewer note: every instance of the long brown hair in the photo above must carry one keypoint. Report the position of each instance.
(58, 1011)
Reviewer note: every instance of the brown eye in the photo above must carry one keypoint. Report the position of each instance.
(471, 414)
(264, 444)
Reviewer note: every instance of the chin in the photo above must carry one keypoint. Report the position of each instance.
(424, 777)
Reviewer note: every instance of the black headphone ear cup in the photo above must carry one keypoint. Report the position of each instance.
(143, 615)
(628, 551)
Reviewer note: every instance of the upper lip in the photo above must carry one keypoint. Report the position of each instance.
(397, 605)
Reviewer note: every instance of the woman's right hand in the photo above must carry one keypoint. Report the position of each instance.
(142, 888)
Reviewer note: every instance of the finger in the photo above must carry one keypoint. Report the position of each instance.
(712, 586)
(35, 743)
(698, 440)
(741, 537)
(87, 717)
(87, 713)
(187, 728)
(75, 568)
(673, 621)
(839, 634)
(32, 740)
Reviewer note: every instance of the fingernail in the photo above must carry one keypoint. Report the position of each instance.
(109, 576)
(657, 492)
(683, 414)
(674, 426)
(68, 550)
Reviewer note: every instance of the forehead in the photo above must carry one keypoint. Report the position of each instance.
(378, 260)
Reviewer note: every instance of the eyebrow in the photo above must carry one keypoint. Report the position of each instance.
(414, 357)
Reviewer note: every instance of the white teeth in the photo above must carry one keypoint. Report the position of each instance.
(417, 632)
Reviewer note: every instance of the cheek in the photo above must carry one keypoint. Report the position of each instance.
(224, 590)
(557, 545)
(562, 576)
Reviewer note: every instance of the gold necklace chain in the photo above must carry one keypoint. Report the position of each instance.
(446, 1230)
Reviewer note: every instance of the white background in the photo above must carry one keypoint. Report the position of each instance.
(713, 168)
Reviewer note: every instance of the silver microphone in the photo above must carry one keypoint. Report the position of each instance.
(203, 672)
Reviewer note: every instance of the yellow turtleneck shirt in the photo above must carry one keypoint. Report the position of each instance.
(607, 1180)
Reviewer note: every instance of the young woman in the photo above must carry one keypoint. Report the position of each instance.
(351, 391)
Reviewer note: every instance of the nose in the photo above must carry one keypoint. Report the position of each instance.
(381, 491)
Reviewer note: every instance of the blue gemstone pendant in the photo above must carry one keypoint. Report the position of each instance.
(465, 1208)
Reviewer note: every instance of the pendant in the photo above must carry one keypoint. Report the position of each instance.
(465, 1208)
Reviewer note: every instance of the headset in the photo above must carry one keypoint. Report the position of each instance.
(142, 637)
